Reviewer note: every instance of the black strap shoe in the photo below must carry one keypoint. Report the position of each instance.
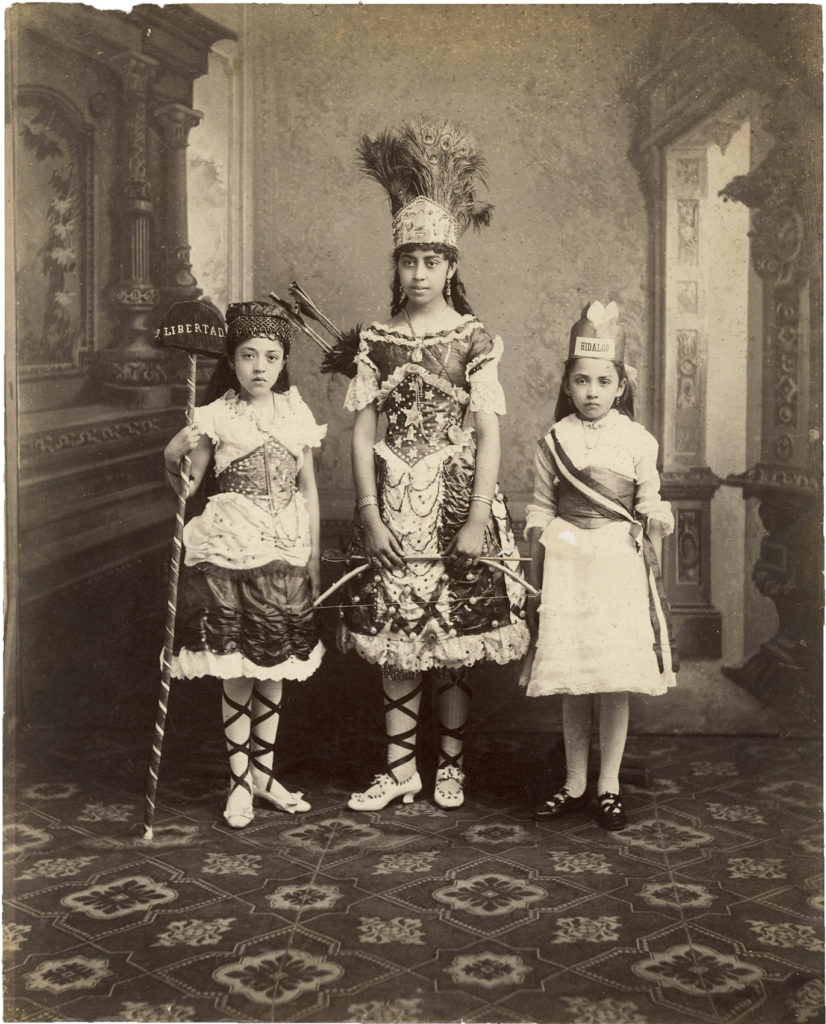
(610, 814)
(560, 804)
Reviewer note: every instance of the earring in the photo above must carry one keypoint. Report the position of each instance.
(447, 288)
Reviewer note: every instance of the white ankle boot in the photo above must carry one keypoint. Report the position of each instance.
(383, 790)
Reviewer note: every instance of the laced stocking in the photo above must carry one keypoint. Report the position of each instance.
(453, 693)
(235, 709)
(266, 715)
(402, 698)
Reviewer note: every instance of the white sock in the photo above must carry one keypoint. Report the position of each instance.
(576, 729)
(613, 731)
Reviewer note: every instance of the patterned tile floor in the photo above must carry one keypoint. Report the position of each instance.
(708, 907)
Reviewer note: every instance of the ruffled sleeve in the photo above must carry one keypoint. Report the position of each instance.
(482, 374)
(647, 500)
(310, 432)
(542, 509)
(364, 387)
(207, 418)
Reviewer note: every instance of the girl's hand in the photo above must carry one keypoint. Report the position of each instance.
(467, 545)
(314, 572)
(381, 544)
(182, 444)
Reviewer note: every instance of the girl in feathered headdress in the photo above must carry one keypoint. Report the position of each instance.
(595, 528)
(429, 488)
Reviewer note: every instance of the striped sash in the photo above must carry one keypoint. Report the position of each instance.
(612, 508)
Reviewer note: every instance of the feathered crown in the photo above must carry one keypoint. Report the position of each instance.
(430, 171)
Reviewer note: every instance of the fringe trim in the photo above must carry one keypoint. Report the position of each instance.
(407, 656)
(188, 664)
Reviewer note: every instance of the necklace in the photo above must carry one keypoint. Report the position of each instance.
(591, 430)
(418, 340)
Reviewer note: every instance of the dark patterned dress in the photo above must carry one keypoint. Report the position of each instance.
(430, 615)
(245, 607)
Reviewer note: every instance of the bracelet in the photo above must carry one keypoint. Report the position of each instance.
(482, 497)
(171, 471)
(367, 500)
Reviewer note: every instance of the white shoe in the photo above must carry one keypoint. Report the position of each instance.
(274, 793)
(448, 792)
(383, 790)
(238, 812)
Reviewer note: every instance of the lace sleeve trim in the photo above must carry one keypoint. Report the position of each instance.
(364, 387)
(487, 396)
(493, 354)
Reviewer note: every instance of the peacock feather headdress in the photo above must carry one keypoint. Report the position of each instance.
(431, 171)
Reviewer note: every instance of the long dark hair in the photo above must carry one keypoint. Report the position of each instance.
(565, 404)
(458, 296)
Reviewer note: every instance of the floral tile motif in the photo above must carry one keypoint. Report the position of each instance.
(42, 791)
(490, 895)
(55, 867)
(695, 914)
(582, 862)
(120, 897)
(278, 976)
(22, 838)
(232, 864)
(194, 932)
(405, 930)
(495, 834)
(308, 896)
(787, 935)
(698, 970)
(413, 863)
(15, 937)
(488, 970)
(680, 896)
(382, 1011)
(756, 867)
(604, 1011)
(68, 974)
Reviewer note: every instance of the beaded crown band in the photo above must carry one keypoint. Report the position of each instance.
(257, 320)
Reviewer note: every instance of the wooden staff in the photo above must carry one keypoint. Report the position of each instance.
(208, 340)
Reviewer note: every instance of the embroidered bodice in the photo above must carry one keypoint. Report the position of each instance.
(264, 474)
(426, 384)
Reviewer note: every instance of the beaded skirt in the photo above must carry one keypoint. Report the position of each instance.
(429, 615)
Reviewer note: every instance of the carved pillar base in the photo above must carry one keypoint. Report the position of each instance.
(787, 669)
(698, 625)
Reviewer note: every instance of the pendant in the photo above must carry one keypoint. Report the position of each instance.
(416, 355)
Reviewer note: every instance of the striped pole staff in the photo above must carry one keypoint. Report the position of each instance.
(197, 327)
(171, 612)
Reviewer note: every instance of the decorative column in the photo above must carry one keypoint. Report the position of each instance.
(687, 482)
(783, 194)
(132, 371)
(175, 271)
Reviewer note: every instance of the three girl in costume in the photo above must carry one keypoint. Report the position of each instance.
(595, 529)
(251, 564)
(429, 505)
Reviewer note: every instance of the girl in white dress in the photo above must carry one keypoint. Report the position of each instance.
(595, 527)
(251, 563)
